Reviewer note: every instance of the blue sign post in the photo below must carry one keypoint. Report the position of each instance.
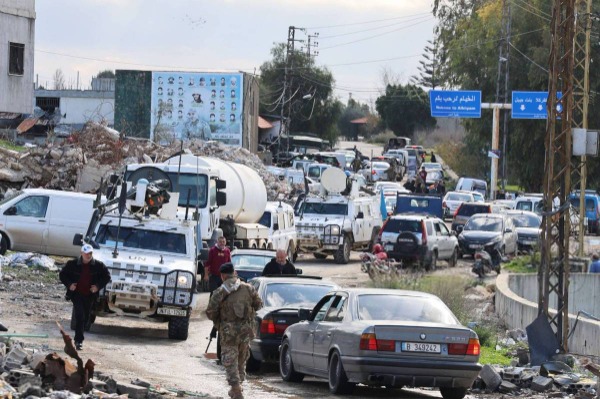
(531, 104)
(455, 104)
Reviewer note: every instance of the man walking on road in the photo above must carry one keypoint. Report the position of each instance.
(232, 309)
(217, 255)
(83, 277)
(279, 265)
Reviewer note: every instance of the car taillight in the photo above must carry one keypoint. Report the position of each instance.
(423, 233)
(267, 326)
(472, 348)
(456, 211)
(369, 342)
(373, 172)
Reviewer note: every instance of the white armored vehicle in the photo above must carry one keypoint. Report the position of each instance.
(339, 220)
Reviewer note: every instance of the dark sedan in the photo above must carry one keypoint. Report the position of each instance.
(488, 232)
(389, 338)
(282, 297)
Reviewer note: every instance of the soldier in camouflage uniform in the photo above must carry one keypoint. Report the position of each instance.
(232, 309)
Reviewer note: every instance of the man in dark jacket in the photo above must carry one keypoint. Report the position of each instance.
(279, 265)
(83, 277)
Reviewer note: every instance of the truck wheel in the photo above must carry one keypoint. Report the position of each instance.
(433, 263)
(178, 328)
(342, 255)
(3, 244)
(319, 255)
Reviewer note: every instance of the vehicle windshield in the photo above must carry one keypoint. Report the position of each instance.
(524, 206)
(250, 261)
(380, 165)
(459, 197)
(294, 294)
(401, 225)
(404, 308)
(589, 204)
(526, 220)
(151, 240)
(10, 196)
(484, 224)
(478, 197)
(195, 185)
(265, 219)
(314, 172)
(434, 175)
(471, 209)
(320, 208)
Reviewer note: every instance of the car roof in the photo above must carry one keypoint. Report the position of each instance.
(407, 216)
(489, 215)
(520, 212)
(371, 291)
(305, 279)
(248, 251)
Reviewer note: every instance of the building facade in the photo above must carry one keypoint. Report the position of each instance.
(17, 34)
(76, 107)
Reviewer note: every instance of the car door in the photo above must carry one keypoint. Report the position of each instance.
(27, 223)
(303, 338)
(449, 240)
(512, 236)
(358, 223)
(325, 331)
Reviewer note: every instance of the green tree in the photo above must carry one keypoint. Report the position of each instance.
(404, 109)
(310, 101)
(107, 73)
(352, 110)
(428, 67)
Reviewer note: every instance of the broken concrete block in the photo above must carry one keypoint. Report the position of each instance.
(28, 389)
(490, 377)
(541, 384)
(15, 358)
(141, 383)
(134, 391)
(96, 384)
(18, 377)
(507, 387)
(111, 384)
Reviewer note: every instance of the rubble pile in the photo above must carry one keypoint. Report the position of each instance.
(36, 371)
(78, 163)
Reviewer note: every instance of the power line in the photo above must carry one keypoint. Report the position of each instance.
(367, 22)
(529, 59)
(368, 30)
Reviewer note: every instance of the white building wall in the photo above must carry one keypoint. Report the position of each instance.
(17, 25)
(82, 110)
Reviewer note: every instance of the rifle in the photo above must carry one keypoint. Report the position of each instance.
(213, 335)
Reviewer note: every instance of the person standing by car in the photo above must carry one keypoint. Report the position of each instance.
(84, 277)
(279, 265)
(232, 309)
(595, 265)
(423, 174)
(432, 158)
(217, 255)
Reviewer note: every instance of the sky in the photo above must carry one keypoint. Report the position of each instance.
(358, 39)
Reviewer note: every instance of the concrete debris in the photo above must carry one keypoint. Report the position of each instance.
(29, 259)
(507, 387)
(78, 163)
(490, 377)
(541, 384)
(133, 391)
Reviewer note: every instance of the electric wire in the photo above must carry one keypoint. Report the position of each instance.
(367, 22)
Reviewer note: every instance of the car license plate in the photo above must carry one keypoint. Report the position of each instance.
(389, 247)
(475, 246)
(171, 312)
(420, 347)
(529, 242)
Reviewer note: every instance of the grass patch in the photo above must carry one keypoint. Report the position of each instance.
(11, 146)
(381, 138)
(523, 264)
(489, 355)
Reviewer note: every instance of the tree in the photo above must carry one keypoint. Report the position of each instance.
(404, 109)
(428, 68)
(310, 101)
(59, 80)
(107, 73)
(353, 110)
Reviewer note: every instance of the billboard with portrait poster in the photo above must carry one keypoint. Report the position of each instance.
(197, 105)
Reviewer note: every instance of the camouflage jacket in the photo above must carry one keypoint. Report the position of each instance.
(232, 308)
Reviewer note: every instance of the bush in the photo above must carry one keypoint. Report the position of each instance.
(381, 138)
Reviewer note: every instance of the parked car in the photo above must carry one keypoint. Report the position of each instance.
(531, 203)
(466, 210)
(592, 209)
(488, 232)
(315, 170)
(249, 263)
(432, 166)
(477, 196)
(528, 226)
(44, 221)
(282, 297)
(419, 239)
(389, 186)
(471, 184)
(452, 201)
(433, 176)
(375, 171)
(380, 337)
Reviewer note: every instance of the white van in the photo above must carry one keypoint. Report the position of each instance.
(279, 218)
(44, 221)
(470, 184)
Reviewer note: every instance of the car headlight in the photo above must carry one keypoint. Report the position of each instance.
(332, 229)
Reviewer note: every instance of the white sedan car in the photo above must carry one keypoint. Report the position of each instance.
(375, 171)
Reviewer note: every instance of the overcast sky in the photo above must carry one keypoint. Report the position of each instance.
(358, 38)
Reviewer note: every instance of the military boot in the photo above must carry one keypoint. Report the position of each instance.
(236, 392)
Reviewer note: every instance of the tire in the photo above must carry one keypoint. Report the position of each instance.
(453, 393)
(178, 328)
(286, 366)
(3, 244)
(253, 365)
(453, 261)
(342, 255)
(338, 381)
(430, 267)
(319, 256)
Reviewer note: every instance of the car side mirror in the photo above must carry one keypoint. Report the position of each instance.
(221, 198)
(78, 239)
(11, 211)
(303, 314)
(360, 215)
(459, 229)
(275, 226)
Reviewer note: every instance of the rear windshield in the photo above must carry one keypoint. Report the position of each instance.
(471, 209)
(404, 308)
(526, 220)
(524, 206)
(484, 224)
(459, 197)
(400, 225)
(288, 294)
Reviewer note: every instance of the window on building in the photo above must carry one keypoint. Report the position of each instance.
(47, 103)
(15, 58)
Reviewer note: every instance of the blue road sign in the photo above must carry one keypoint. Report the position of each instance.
(531, 104)
(455, 104)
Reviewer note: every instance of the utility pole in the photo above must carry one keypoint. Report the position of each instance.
(503, 78)
(285, 100)
(314, 44)
(581, 99)
(554, 272)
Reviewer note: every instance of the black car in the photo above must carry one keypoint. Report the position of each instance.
(465, 211)
(282, 297)
(488, 232)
